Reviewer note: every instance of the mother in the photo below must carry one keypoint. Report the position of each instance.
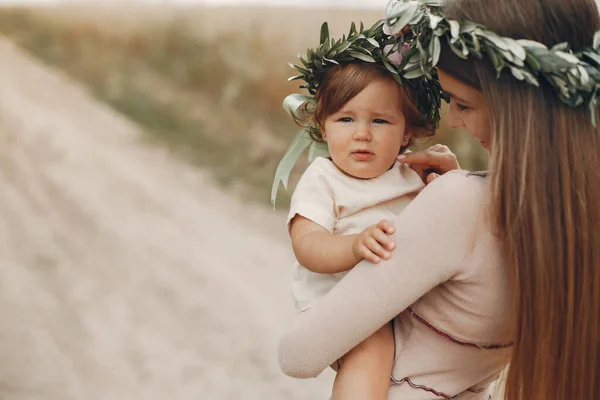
(490, 270)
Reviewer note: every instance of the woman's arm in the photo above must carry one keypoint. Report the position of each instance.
(318, 250)
(433, 236)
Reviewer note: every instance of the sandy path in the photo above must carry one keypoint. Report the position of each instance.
(124, 274)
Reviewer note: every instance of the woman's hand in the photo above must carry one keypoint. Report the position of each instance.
(374, 243)
(431, 163)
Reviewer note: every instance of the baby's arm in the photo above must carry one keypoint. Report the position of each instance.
(320, 251)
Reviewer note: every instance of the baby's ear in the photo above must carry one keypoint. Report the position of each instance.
(323, 134)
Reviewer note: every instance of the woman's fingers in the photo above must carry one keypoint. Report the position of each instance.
(437, 159)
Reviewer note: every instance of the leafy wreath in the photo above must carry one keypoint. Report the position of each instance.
(369, 45)
(574, 76)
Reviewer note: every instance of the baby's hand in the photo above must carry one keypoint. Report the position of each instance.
(373, 243)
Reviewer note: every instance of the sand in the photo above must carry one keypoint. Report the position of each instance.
(125, 273)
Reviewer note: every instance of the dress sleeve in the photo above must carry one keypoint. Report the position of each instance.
(313, 197)
(434, 235)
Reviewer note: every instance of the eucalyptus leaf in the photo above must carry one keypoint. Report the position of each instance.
(560, 47)
(405, 13)
(516, 49)
(457, 51)
(476, 43)
(567, 57)
(597, 41)
(454, 28)
(468, 27)
(517, 73)
(435, 48)
(493, 38)
(530, 78)
(593, 56)
(530, 44)
(585, 77)
(532, 62)
(593, 107)
(434, 20)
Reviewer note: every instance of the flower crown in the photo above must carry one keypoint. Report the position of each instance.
(574, 76)
(371, 45)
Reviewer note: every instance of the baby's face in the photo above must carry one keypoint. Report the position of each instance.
(365, 135)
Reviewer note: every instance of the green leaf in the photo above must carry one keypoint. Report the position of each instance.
(497, 61)
(585, 77)
(416, 73)
(456, 50)
(593, 107)
(517, 73)
(516, 49)
(373, 42)
(476, 43)
(299, 69)
(597, 41)
(361, 56)
(567, 57)
(454, 28)
(344, 47)
(532, 62)
(531, 79)
(352, 29)
(593, 56)
(468, 27)
(530, 43)
(282, 174)
(324, 32)
(435, 48)
(493, 38)
(434, 20)
(404, 12)
(560, 47)
(465, 49)
(388, 65)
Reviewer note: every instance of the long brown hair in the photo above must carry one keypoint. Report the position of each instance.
(341, 83)
(545, 201)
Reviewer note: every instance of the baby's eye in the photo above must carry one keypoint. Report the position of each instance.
(379, 121)
(345, 119)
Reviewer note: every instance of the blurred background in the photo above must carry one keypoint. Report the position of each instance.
(139, 255)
